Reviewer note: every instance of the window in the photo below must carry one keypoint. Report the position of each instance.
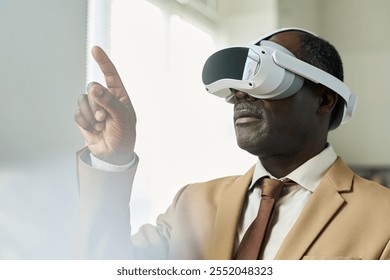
(184, 135)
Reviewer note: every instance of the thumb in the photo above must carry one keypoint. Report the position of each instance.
(105, 103)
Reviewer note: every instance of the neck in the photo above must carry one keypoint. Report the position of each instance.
(280, 166)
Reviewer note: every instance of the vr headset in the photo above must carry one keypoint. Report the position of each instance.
(267, 70)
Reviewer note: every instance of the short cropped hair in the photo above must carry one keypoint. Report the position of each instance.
(321, 54)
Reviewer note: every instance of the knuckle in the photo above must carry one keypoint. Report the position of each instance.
(96, 89)
(81, 99)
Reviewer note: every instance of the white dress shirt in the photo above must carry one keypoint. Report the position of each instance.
(288, 207)
(291, 202)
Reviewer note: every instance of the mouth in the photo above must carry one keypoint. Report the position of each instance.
(246, 117)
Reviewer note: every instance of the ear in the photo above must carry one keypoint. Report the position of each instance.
(327, 100)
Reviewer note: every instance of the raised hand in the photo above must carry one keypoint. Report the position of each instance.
(106, 117)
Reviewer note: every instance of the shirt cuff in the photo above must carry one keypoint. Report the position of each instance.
(105, 166)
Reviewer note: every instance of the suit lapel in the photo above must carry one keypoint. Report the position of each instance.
(322, 206)
(227, 217)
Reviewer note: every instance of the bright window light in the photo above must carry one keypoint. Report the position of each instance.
(184, 135)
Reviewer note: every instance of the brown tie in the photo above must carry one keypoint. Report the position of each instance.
(251, 244)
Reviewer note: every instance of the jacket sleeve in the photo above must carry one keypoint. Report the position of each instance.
(104, 230)
(154, 242)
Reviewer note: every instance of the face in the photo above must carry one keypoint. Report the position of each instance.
(269, 128)
(274, 127)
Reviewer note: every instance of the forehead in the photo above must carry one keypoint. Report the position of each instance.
(288, 39)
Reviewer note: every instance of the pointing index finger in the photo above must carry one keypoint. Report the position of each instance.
(113, 80)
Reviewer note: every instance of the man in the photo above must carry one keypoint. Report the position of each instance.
(325, 212)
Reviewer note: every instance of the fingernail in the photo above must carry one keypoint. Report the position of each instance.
(98, 93)
(100, 115)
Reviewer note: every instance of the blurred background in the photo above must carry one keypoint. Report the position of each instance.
(184, 134)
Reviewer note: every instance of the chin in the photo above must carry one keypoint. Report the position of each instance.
(250, 148)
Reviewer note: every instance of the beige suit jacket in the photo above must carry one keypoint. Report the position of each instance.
(347, 217)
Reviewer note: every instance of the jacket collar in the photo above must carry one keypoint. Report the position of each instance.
(227, 218)
(322, 206)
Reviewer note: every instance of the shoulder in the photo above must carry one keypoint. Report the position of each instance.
(345, 180)
(360, 194)
(212, 190)
(373, 193)
(212, 187)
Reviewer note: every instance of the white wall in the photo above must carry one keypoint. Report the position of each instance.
(42, 70)
(360, 30)
(245, 20)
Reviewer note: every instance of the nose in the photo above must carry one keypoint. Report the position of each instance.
(240, 96)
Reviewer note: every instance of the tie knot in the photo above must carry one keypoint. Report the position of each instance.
(271, 187)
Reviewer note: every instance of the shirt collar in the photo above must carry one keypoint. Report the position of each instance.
(308, 175)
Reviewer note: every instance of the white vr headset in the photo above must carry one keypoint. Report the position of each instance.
(269, 71)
